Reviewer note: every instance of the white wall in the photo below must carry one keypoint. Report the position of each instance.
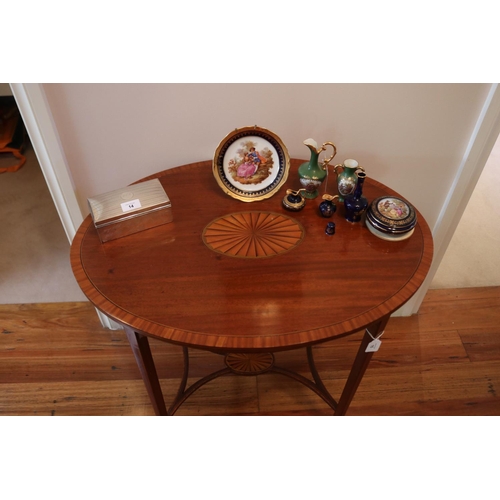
(411, 137)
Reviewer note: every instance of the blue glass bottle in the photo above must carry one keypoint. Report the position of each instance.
(356, 204)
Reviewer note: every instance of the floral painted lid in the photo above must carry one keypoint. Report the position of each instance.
(391, 214)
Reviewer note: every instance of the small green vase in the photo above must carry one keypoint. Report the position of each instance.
(311, 174)
(347, 179)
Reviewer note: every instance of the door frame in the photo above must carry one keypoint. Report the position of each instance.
(37, 118)
(481, 142)
(35, 111)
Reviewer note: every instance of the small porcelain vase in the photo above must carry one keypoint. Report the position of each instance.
(311, 174)
(356, 204)
(347, 179)
(330, 229)
(327, 207)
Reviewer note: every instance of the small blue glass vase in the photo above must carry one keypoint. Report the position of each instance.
(356, 204)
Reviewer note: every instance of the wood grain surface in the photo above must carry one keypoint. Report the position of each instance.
(56, 359)
(167, 283)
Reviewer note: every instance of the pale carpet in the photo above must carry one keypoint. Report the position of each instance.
(34, 249)
(473, 258)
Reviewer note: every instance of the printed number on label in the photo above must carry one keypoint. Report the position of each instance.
(131, 205)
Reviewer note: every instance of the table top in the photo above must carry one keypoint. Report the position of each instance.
(176, 282)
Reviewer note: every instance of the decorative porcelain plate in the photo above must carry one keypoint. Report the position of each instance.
(251, 164)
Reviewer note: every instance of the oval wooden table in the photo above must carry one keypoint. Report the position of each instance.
(249, 279)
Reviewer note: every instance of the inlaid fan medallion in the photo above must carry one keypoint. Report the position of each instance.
(253, 234)
(249, 363)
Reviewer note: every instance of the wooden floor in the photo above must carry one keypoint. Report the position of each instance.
(56, 359)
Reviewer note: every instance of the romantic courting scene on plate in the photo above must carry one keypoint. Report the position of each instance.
(251, 166)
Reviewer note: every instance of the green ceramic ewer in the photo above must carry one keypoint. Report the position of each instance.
(311, 174)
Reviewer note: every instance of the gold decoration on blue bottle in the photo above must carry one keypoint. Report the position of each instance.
(355, 204)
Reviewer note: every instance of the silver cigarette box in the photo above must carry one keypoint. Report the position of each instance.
(131, 209)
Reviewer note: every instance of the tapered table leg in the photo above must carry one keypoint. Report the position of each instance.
(145, 362)
(360, 365)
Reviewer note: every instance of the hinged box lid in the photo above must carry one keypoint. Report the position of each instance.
(125, 203)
